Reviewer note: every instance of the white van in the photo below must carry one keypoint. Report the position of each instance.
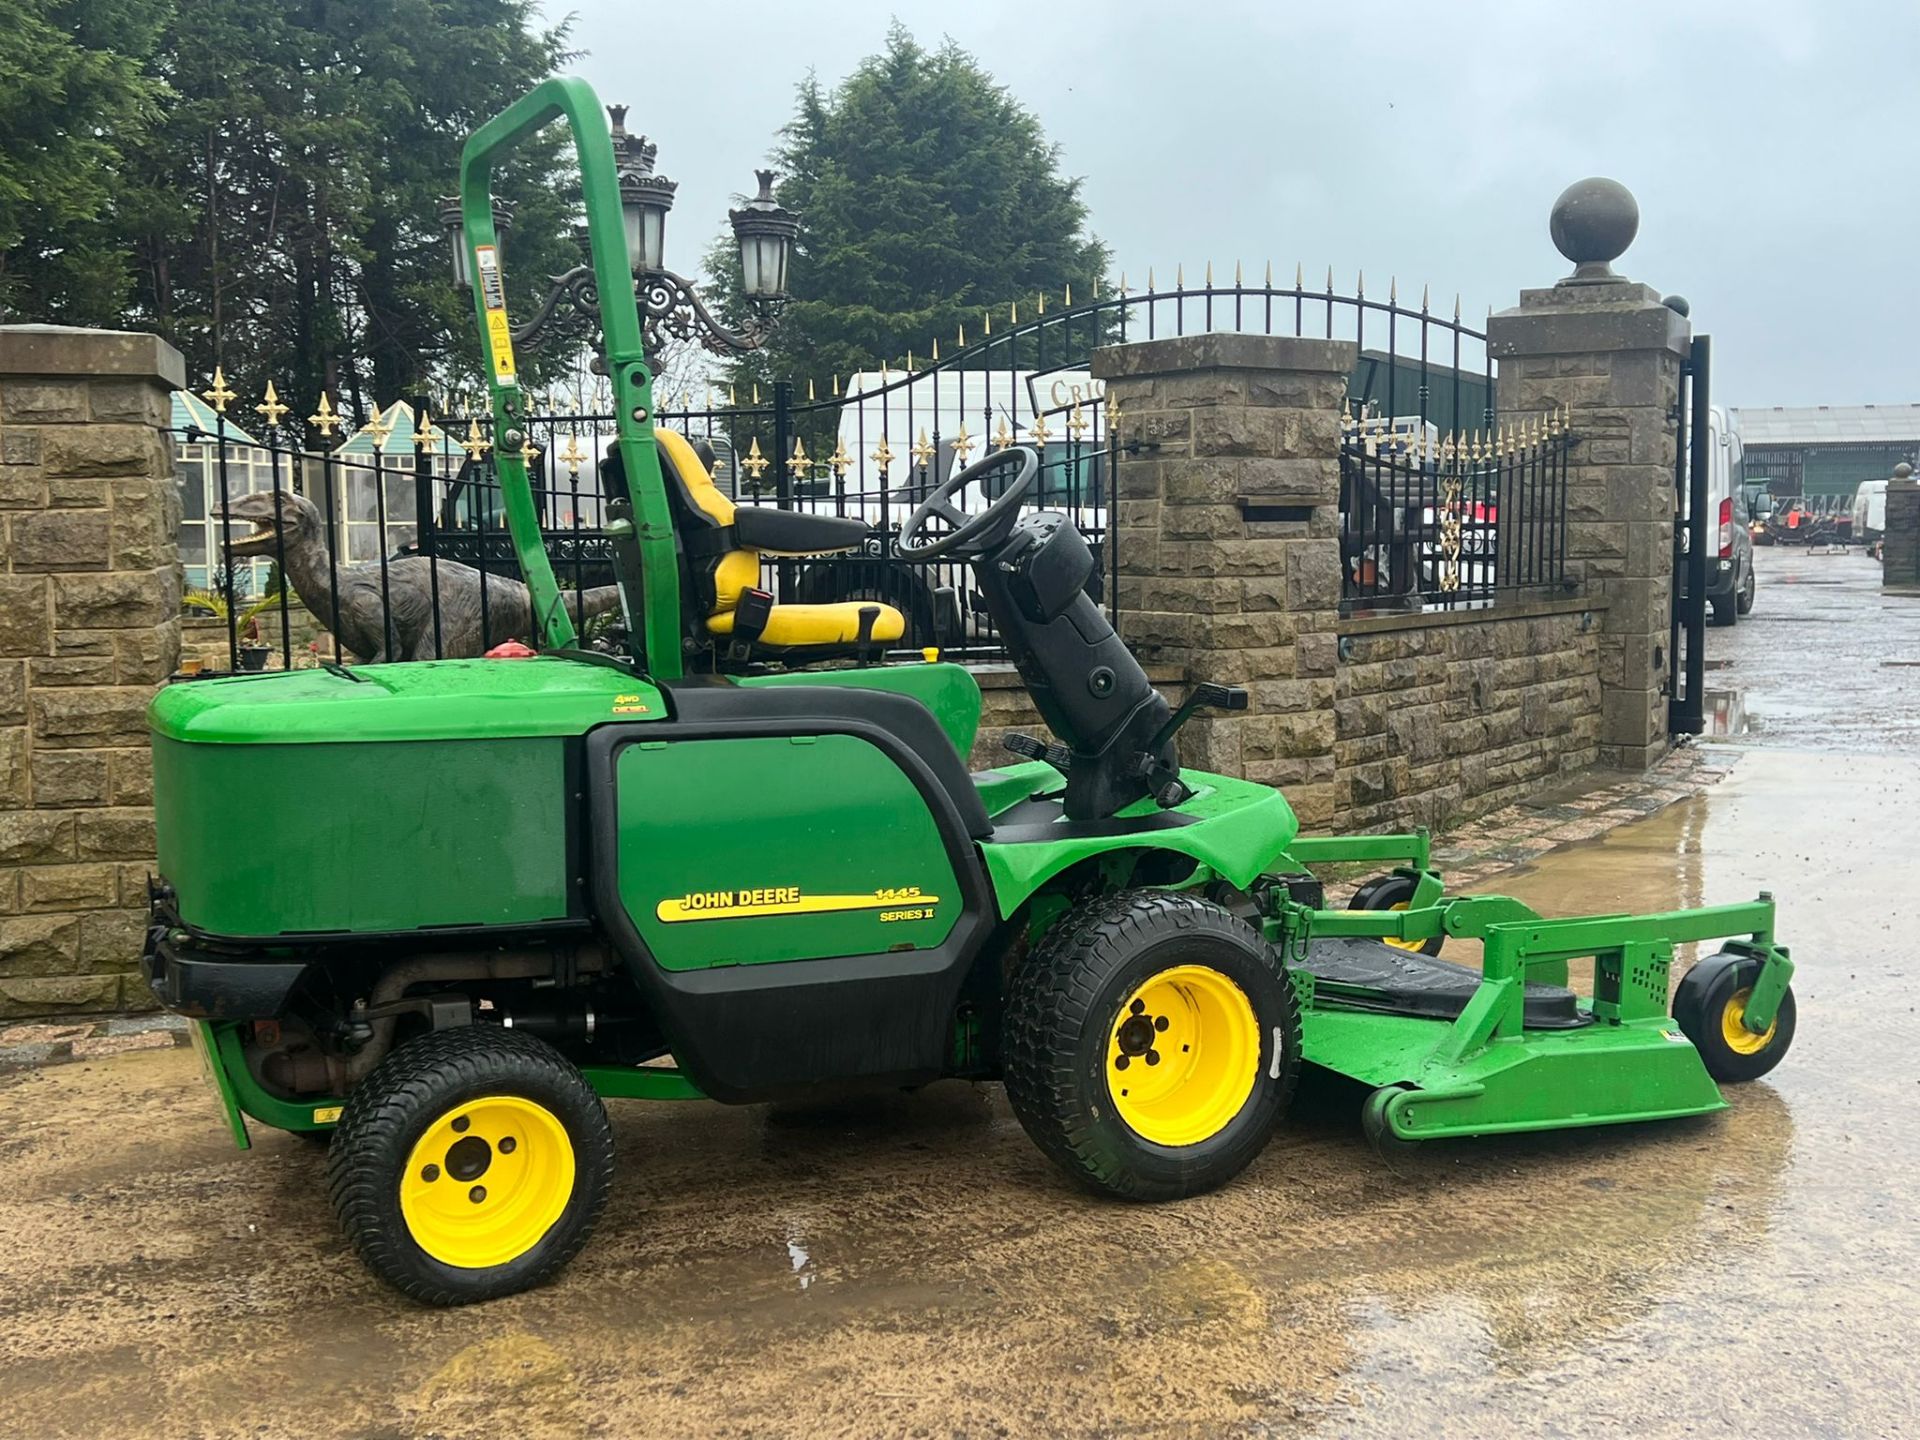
(1730, 578)
(1869, 511)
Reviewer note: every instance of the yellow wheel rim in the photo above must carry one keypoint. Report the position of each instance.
(1395, 941)
(487, 1181)
(1733, 1030)
(1183, 1056)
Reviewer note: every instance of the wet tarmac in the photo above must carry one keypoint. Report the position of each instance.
(909, 1265)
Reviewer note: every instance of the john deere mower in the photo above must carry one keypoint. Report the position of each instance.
(501, 891)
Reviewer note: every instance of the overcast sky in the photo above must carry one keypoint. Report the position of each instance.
(1774, 147)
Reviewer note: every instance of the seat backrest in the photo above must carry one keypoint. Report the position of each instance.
(715, 582)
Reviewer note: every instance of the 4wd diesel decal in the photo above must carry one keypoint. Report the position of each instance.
(902, 903)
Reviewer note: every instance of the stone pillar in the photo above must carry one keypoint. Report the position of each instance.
(1610, 352)
(89, 626)
(1227, 522)
(1900, 541)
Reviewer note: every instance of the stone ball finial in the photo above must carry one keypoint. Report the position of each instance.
(1593, 222)
(1903, 471)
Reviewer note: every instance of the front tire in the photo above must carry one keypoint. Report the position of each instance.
(1094, 1016)
(470, 1164)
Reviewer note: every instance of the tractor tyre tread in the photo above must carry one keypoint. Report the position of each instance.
(382, 1119)
(1052, 1001)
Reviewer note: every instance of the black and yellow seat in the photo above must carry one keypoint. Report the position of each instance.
(722, 545)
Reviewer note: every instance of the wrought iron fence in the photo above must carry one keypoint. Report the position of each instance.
(406, 554)
(1445, 521)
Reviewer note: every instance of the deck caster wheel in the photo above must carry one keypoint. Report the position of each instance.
(1396, 1150)
(470, 1164)
(1394, 892)
(1152, 1042)
(1709, 1003)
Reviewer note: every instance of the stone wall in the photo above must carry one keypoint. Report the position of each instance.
(89, 626)
(1608, 353)
(1228, 486)
(1442, 717)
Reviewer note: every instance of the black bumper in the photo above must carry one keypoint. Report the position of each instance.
(205, 987)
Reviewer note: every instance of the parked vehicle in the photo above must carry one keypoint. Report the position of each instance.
(1730, 579)
(1870, 511)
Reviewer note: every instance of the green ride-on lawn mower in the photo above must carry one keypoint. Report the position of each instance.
(498, 891)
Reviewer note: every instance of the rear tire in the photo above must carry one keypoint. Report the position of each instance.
(1708, 1003)
(1394, 892)
(470, 1164)
(1747, 593)
(1115, 983)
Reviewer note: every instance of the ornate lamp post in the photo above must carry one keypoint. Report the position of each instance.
(670, 306)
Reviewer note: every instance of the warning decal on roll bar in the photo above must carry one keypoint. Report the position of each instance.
(493, 295)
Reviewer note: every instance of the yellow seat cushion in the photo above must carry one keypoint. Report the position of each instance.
(792, 626)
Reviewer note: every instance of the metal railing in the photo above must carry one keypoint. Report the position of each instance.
(406, 555)
(1450, 521)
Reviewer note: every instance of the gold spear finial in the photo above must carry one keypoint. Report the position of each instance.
(755, 464)
(1329, 279)
(960, 334)
(963, 443)
(1149, 280)
(1299, 275)
(1002, 437)
(1096, 287)
(1114, 414)
(324, 418)
(810, 394)
(1037, 431)
(839, 462)
(936, 349)
(1077, 422)
(219, 395)
(1393, 290)
(271, 407)
(1209, 274)
(1123, 284)
(379, 428)
(1068, 302)
(798, 462)
(1179, 275)
(476, 444)
(1040, 307)
(1236, 275)
(986, 321)
(573, 457)
(428, 436)
(882, 456)
(922, 450)
(1423, 299)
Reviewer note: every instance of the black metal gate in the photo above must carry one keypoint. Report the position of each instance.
(1686, 649)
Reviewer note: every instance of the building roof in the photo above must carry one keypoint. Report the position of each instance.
(399, 440)
(1829, 424)
(190, 410)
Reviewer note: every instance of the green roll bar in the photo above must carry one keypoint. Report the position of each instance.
(640, 527)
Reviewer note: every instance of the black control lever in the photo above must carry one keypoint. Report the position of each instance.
(1204, 696)
(1056, 755)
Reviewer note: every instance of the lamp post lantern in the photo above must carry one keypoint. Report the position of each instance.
(670, 306)
(456, 228)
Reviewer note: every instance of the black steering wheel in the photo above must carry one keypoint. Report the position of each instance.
(970, 533)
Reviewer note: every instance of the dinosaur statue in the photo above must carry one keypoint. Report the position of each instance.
(288, 528)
